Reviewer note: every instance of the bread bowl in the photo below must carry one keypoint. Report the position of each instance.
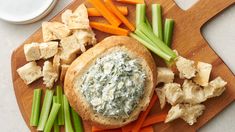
(74, 82)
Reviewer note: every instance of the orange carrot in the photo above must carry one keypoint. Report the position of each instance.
(147, 129)
(128, 127)
(109, 28)
(153, 119)
(144, 114)
(96, 129)
(150, 120)
(132, 1)
(110, 17)
(115, 11)
(94, 12)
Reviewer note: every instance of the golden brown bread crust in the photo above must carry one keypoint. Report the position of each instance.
(82, 64)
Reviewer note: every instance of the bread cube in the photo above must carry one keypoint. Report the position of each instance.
(173, 93)
(164, 75)
(161, 96)
(78, 19)
(32, 52)
(64, 69)
(192, 112)
(185, 67)
(215, 88)
(193, 93)
(203, 73)
(54, 31)
(48, 49)
(174, 113)
(30, 72)
(50, 76)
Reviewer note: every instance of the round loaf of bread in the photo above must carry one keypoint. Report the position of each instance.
(80, 67)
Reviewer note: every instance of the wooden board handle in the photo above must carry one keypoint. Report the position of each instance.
(204, 10)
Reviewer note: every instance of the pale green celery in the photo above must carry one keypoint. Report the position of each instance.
(59, 94)
(168, 31)
(148, 24)
(68, 124)
(147, 43)
(77, 123)
(54, 111)
(140, 13)
(45, 109)
(56, 126)
(160, 44)
(157, 21)
(35, 107)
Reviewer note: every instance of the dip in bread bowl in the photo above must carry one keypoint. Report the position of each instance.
(112, 82)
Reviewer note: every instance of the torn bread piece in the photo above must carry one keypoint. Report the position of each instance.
(173, 93)
(215, 88)
(192, 112)
(30, 72)
(85, 38)
(185, 67)
(32, 52)
(66, 57)
(70, 45)
(164, 75)
(203, 73)
(56, 62)
(77, 19)
(54, 31)
(193, 93)
(161, 96)
(64, 69)
(48, 49)
(175, 112)
(50, 75)
(187, 112)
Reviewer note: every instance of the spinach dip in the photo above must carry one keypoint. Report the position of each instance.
(114, 85)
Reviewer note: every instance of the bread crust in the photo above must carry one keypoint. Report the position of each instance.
(82, 64)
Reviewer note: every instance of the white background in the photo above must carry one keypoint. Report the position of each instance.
(220, 33)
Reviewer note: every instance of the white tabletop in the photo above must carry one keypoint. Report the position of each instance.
(220, 33)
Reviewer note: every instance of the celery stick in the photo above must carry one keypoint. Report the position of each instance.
(56, 128)
(54, 111)
(140, 13)
(160, 44)
(148, 24)
(168, 31)
(45, 109)
(35, 107)
(55, 101)
(147, 43)
(68, 124)
(59, 94)
(77, 123)
(157, 20)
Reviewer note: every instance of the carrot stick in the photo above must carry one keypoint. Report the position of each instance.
(96, 129)
(115, 11)
(94, 12)
(128, 127)
(147, 129)
(153, 119)
(110, 17)
(144, 114)
(109, 28)
(132, 1)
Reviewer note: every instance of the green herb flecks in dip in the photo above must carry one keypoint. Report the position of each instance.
(114, 85)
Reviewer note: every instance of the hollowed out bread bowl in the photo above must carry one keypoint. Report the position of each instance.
(81, 65)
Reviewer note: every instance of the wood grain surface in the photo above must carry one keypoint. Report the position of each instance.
(187, 40)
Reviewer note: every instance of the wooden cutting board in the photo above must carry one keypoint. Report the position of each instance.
(187, 40)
